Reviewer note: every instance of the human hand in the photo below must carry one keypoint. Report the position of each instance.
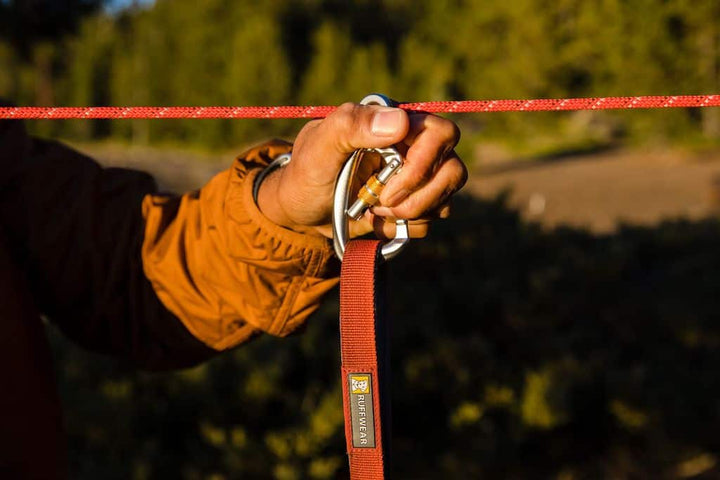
(300, 195)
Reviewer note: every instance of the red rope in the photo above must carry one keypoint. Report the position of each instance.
(536, 105)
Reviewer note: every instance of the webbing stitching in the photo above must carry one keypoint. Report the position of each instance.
(359, 351)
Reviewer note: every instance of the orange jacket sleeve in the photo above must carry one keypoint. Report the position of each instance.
(225, 270)
(160, 281)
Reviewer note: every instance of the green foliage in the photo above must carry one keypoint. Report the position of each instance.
(532, 354)
(218, 52)
(8, 70)
(536, 411)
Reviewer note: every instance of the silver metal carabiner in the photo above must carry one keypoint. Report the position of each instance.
(341, 212)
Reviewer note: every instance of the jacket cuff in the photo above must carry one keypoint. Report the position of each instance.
(224, 269)
(271, 247)
(307, 261)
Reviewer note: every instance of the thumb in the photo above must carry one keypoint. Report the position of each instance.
(354, 126)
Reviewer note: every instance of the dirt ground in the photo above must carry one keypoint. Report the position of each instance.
(603, 190)
(174, 170)
(598, 191)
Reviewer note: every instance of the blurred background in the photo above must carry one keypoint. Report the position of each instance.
(569, 326)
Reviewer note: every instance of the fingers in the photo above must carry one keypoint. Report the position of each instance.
(430, 141)
(354, 126)
(448, 178)
(444, 211)
(322, 147)
(386, 229)
(431, 173)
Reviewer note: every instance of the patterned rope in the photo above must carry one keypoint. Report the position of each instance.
(466, 106)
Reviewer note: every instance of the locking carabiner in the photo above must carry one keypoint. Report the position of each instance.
(369, 192)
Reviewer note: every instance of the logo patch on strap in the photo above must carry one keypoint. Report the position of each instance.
(362, 412)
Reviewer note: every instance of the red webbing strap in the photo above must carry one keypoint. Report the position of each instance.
(363, 348)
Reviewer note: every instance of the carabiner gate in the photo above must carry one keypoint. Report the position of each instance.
(368, 193)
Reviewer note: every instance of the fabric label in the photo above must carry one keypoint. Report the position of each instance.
(362, 410)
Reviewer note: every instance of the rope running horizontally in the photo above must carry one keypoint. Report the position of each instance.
(465, 106)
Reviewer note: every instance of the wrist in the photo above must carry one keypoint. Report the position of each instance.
(265, 192)
(267, 195)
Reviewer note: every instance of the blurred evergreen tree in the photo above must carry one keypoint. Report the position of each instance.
(326, 74)
(8, 71)
(258, 71)
(327, 52)
(701, 25)
(89, 76)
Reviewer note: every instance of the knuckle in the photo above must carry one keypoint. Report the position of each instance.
(444, 212)
(409, 209)
(422, 178)
(343, 117)
(417, 177)
(345, 114)
(450, 132)
(312, 124)
(458, 174)
(306, 132)
(462, 175)
(342, 122)
(346, 108)
(447, 129)
(455, 133)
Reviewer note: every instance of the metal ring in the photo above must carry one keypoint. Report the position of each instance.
(341, 197)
